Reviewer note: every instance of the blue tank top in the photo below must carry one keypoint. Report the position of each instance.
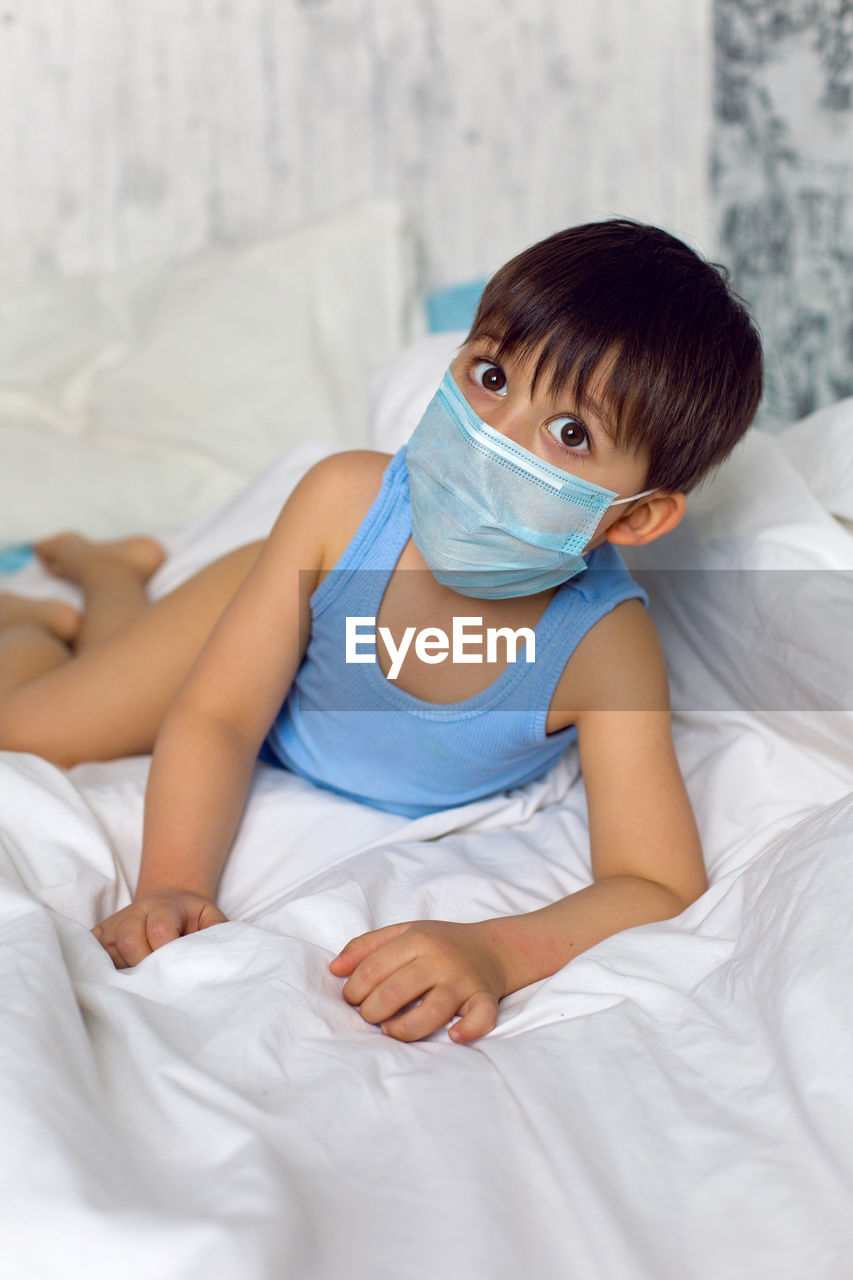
(348, 728)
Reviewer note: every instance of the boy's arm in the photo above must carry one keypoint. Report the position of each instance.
(645, 854)
(207, 746)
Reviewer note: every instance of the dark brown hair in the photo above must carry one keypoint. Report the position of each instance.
(685, 359)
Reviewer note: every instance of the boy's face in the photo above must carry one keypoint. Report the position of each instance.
(574, 437)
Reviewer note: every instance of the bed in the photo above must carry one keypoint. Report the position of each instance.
(676, 1102)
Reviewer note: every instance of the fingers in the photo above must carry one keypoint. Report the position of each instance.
(210, 915)
(136, 931)
(361, 947)
(435, 1010)
(163, 923)
(192, 920)
(124, 939)
(109, 946)
(407, 983)
(380, 975)
(479, 1014)
(412, 978)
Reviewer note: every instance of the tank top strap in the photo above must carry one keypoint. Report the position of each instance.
(379, 539)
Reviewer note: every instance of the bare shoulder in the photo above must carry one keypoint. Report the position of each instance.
(617, 666)
(350, 467)
(344, 475)
(335, 495)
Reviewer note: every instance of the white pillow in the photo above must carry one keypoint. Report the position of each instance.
(752, 596)
(244, 353)
(180, 383)
(820, 447)
(402, 390)
(53, 335)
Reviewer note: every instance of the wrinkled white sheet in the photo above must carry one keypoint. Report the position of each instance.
(675, 1102)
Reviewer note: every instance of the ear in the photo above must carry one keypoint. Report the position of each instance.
(650, 519)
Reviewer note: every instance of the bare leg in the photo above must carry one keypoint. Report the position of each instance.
(109, 698)
(113, 577)
(28, 651)
(60, 619)
(37, 636)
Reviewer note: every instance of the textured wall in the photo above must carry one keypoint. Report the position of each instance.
(783, 188)
(132, 129)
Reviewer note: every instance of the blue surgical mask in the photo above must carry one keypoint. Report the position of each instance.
(491, 519)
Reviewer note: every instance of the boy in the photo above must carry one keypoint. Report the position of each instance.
(608, 360)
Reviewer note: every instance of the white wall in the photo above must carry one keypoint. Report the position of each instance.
(132, 129)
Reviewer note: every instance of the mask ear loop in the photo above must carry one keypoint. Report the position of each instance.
(617, 502)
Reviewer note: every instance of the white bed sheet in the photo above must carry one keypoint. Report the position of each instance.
(675, 1102)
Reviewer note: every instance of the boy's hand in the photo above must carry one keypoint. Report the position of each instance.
(134, 932)
(451, 968)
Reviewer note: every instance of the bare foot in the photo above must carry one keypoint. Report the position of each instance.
(71, 556)
(59, 618)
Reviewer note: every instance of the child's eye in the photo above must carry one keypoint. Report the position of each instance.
(489, 376)
(570, 433)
